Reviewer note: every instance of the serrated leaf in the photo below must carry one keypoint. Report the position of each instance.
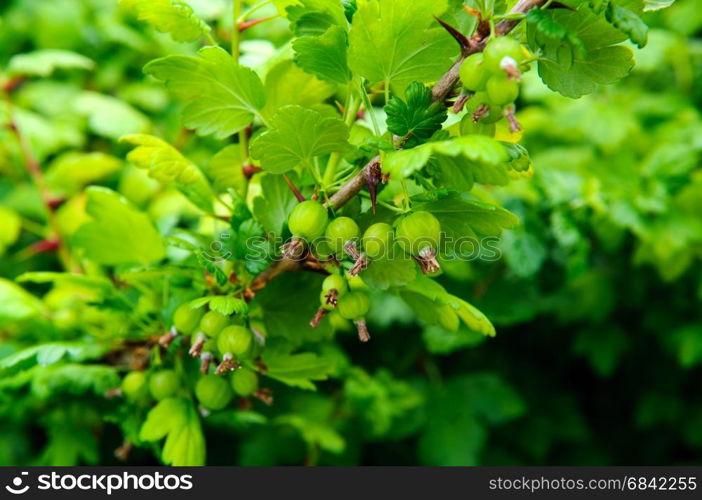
(324, 56)
(457, 163)
(314, 17)
(222, 97)
(415, 115)
(297, 370)
(298, 135)
(223, 304)
(272, 208)
(601, 62)
(174, 17)
(44, 62)
(118, 233)
(177, 421)
(391, 41)
(166, 164)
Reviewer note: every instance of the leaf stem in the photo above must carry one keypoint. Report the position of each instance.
(236, 34)
(369, 108)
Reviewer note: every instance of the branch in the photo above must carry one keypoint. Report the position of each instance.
(439, 92)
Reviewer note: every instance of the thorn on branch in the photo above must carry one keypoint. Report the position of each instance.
(373, 177)
(462, 40)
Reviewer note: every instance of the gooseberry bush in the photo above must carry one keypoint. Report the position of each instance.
(355, 152)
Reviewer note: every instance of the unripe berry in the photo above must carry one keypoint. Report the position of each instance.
(340, 231)
(308, 219)
(473, 72)
(236, 340)
(163, 384)
(470, 127)
(186, 319)
(134, 386)
(353, 305)
(502, 91)
(335, 282)
(499, 48)
(377, 240)
(417, 231)
(213, 322)
(213, 392)
(244, 382)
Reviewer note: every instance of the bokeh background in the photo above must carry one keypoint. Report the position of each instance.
(597, 299)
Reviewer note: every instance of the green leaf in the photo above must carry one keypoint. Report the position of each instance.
(287, 315)
(44, 62)
(457, 163)
(73, 280)
(653, 5)
(425, 296)
(177, 421)
(629, 23)
(10, 228)
(441, 341)
(315, 433)
(166, 164)
(461, 216)
(71, 171)
(16, 304)
(287, 84)
(314, 17)
(223, 304)
(390, 41)
(174, 17)
(74, 379)
(324, 56)
(390, 272)
(297, 370)
(226, 170)
(222, 97)
(110, 117)
(119, 233)
(382, 401)
(575, 73)
(416, 115)
(50, 353)
(298, 135)
(271, 209)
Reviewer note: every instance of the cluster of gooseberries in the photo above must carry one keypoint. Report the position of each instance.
(339, 240)
(212, 334)
(491, 86)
